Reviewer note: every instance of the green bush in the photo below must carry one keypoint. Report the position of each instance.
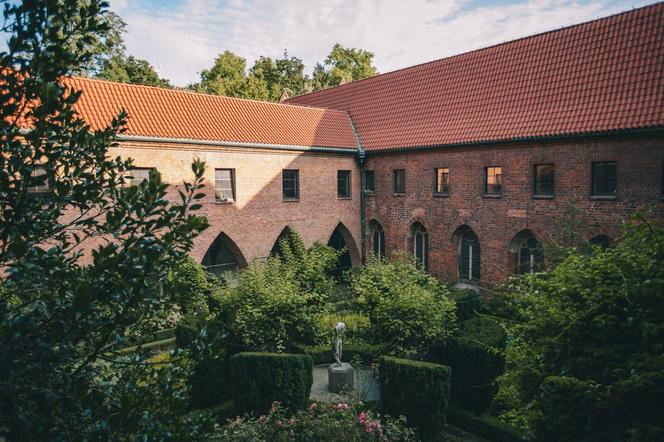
(319, 423)
(468, 302)
(408, 309)
(476, 357)
(482, 425)
(259, 379)
(418, 390)
(192, 287)
(187, 330)
(210, 380)
(323, 353)
(586, 358)
(357, 325)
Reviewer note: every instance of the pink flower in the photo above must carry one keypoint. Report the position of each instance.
(362, 417)
(342, 406)
(312, 407)
(292, 421)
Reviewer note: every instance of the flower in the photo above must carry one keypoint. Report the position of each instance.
(342, 406)
(312, 407)
(362, 417)
(292, 421)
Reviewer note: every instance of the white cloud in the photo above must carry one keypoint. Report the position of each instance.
(182, 40)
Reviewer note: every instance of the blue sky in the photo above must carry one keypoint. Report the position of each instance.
(182, 37)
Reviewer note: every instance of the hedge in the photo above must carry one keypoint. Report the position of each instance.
(322, 354)
(476, 357)
(210, 381)
(483, 425)
(418, 390)
(186, 331)
(259, 379)
(468, 302)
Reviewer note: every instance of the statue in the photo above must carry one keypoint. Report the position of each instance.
(337, 349)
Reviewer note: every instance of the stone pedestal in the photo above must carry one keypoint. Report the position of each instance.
(340, 377)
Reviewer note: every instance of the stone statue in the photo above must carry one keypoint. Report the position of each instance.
(337, 349)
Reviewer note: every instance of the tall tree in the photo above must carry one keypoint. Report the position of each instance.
(62, 319)
(228, 77)
(129, 69)
(343, 65)
(283, 74)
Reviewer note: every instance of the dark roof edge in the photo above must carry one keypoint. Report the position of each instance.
(635, 131)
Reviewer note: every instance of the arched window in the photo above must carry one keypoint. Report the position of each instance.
(469, 257)
(530, 256)
(378, 240)
(420, 245)
(285, 235)
(223, 256)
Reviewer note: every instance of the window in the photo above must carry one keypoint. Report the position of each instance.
(42, 187)
(531, 256)
(224, 185)
(420, 245)
(368, 181)
(378, 240)
(343, 183)
(493, 180)
(604, 178)
(139, 174)
(291, 184)
(469, 259)
(442, 180)
(399, 181)
(543, 179)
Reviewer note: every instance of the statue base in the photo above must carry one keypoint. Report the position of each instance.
(340, 377)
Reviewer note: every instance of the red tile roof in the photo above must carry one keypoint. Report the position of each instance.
(156, 112)
(604, 75)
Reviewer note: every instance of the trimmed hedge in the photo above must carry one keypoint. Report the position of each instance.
(483, 425)
(476, 357)
(210, 381)
(322, 354)
(468, 302)
(259, 379)
(186, 331)
(418, 390)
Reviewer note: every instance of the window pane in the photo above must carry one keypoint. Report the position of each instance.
(290, 183)
(442, 177)
(399, 181)
(493, 180)
(604, 178)
(343, 183)
(224, 186)
(41, 188)
(368, 181)
(544, 179)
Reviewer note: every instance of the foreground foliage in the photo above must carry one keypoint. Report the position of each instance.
(586, 359)
(320, 423)
(62, 315)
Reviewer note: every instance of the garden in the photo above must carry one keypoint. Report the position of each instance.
(135, 341)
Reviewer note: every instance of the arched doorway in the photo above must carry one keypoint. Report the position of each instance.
(469, 254)
(223, 255)
(529, 252)
(419, 245)
(276, 248)
(341, 239)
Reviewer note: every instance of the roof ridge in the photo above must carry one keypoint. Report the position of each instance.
(214, 96)
(538, 34)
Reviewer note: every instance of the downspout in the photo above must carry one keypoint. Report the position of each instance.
(362, 160)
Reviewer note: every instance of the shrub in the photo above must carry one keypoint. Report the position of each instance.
(467, 301)
(417, 390)
(210, 380)
(408, 309)
(483, 425)
(357, 326)
(192, 287)
(323, 353)
(586, 358)
(476, 357)
(320, 423)
(258, 379)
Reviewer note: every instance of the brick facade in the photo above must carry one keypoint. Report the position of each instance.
(253, 223)
(496, 221)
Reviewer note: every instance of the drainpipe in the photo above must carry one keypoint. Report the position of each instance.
(362, 161)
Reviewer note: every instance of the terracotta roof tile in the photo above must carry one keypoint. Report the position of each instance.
(599, 76)
(156, 112)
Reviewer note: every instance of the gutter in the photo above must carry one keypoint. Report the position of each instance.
(362, 159)
(569, 136)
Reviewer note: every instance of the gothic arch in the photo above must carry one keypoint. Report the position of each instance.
(342, 238)
(223, 255)
(528, 254)
(468, 255)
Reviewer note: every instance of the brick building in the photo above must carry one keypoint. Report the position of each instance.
(467, 162)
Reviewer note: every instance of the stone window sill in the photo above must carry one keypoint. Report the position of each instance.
(345, 197)
(291, 200)
(492, 195)
(399, 194)
(543, 197)
(441, 194)
(603, 197)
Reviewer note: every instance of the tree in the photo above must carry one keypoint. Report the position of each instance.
(586, 359)
(228, 77)
(62, 317)
(343, 65)
(123, 69)
(284, 74)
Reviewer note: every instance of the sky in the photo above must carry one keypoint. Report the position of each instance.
(182, 37)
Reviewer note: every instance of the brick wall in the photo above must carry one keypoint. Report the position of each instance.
(259, 214)
(496, 221)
